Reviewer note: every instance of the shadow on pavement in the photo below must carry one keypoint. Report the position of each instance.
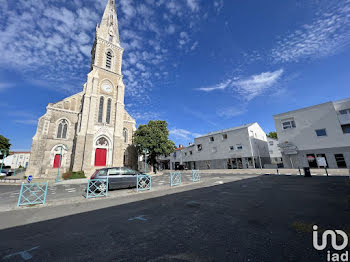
(267, 218)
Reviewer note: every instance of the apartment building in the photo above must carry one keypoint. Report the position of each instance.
(234, 148)
(320, 131)
(275, 152)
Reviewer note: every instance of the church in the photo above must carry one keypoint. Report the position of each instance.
(91, 129)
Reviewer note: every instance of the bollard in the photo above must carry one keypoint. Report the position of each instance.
(326, 170)
(299, 171)
(277, 171)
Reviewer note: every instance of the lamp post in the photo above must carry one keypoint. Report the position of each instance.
(145, 151)
(251, 147)
(3, 159)
(14, 172)
(59, 162)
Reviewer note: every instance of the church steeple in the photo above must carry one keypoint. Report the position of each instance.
(108, 29)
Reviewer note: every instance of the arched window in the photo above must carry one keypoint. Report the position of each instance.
(125, 135)
(62, 129)
(100, 110)
(109, 59)
(108, 116)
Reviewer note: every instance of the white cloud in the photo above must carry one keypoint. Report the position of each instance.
(230, 112)
(193, 4)
(250, 87)
(257, 84)
(328, 34)
(4, 86)
(218, 5)
(31, 122)
(184, 134)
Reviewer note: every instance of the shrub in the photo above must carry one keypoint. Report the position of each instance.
(74, 175)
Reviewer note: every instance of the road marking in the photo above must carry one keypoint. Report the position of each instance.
(24, 254)
(138, 218)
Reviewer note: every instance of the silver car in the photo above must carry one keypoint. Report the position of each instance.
(118, 177)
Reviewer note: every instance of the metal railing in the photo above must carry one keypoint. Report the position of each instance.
(196, 177)
(143, 182)
(32, 194)
(175, 178)
(97, 188)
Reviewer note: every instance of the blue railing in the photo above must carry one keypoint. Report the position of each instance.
(97, 188)
(196, 177)
(175, 178)
(32, 194)
(143, 183)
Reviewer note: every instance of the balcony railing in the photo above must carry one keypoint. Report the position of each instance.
(344, 119)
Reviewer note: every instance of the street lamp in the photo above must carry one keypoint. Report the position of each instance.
(14, 172)
(251, 147)
(3, 159)
(59, 163)
(145, 151)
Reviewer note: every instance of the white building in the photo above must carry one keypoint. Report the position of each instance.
(234, 148)
(320, 131)
(17, 159)
(274, 151)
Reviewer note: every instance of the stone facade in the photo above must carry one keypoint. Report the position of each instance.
(91, 129)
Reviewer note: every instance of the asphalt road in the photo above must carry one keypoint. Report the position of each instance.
(267, 218)
(9, 193)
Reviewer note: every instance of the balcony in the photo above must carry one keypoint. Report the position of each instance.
(344, 119)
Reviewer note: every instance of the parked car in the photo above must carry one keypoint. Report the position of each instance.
(7, 171)
(118, 177)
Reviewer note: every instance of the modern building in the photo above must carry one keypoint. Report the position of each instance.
(17, 159)
(234, 148)
(275, 152)
(316, 132)
(90, 129)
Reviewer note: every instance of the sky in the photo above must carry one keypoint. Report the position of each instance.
(200, 65)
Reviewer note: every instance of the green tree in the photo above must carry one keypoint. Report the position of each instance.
(155, 137)
(273, 135)
(4, 145)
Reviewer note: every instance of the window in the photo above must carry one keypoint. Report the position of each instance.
(346, 129)
(345, 111)
(190, 152)
(211, 139)
(224, 136)
(271, 143)
(232, 148)
(239, 147)
(288, 123)
(339, 158)
(100, 110)
(174, 155)
(271, 151)
(108, 116)
(199, 147)
(214, 149)
(125, 135)
(62, 129)
(109, 59)
(185, 153)
(321, 132)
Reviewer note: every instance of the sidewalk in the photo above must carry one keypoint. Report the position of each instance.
(126, 195)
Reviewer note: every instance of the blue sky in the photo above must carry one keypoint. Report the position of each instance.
(200, 65)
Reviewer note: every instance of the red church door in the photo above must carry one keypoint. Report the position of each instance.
(56, 162)
(100, 157)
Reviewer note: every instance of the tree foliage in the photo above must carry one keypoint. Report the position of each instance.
(155, 137)
(273, 135)
(4, 145)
